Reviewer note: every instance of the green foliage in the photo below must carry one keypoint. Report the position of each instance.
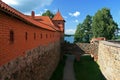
(103, 24)
(83, 32)
(48, 13)
(87, 69)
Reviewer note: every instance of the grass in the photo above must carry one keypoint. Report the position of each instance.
(87, 69)
(58, 73)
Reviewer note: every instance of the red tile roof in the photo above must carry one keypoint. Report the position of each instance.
(58, 16)
(6, 8)
(46, 20)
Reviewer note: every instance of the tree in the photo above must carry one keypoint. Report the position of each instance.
(83, 32)
(103, 24)
(78, 33)
(48, 13)
(87, 24)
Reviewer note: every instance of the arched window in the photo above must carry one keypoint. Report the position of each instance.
(11, 36)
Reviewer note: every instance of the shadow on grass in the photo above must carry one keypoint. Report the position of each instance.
(87, 69)
(58, 73)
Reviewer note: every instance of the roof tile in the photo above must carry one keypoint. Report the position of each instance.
(58, 16)
(8, 9)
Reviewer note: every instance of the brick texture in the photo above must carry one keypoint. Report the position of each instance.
(10, 51)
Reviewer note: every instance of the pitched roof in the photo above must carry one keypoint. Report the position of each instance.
(11, 11)
(58, 16)
(46, 20)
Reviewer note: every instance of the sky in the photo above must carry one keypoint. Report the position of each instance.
(73, 11)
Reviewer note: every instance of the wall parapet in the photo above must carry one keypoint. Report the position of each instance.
(109, 59)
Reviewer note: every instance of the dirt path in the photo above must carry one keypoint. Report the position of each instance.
(68, 69)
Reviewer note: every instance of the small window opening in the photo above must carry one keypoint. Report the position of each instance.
(11, 36)
(46, 36)
(41, 36)
(26, 35)
(34, 35)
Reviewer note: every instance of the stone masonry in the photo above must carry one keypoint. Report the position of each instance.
(91, 49)
(109, 59)
(38, 64)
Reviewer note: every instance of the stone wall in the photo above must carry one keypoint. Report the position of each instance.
(38, 64)
(109, 59)
(90, 49)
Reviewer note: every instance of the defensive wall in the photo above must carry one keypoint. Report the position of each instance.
(88, 48)
(37, 64)
(107, 55)
(109, 59)
(29, 48)
(24, 37)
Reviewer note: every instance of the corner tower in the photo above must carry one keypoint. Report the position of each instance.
(59, 21)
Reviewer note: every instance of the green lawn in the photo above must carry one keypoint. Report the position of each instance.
(58, 73)
(87, 69)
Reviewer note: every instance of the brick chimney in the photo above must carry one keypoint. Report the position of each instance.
(33, 14)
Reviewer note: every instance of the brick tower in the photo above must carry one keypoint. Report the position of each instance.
(59, 21)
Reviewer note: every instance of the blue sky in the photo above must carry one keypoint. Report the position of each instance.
(73, 11)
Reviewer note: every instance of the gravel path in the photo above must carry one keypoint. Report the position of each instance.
(68, 69)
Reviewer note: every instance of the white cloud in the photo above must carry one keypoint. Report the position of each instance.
(27, 5)
(70, 31)
(75, 14)
(11, 2)
(76, 21)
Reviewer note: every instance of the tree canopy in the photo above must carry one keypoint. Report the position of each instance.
(100, 25)
(48, 13)
(103, 24)
(83, 32)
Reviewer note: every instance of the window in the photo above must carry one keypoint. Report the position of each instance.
(46, 35)
(26, 35)
(11, 36)
(34, 35)
(41, 35)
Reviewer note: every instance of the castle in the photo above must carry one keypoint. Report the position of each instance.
(19, 32)
(28, 40)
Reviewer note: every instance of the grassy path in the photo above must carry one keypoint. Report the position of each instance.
(87, 69)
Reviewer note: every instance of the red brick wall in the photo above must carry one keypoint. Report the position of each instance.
(60, 23)
(10, 51)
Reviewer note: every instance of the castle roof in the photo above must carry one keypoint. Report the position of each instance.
(11, 11)
(58, 16)
(46, 20)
